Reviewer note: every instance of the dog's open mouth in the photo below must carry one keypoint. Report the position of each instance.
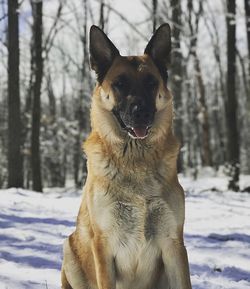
(137, 132)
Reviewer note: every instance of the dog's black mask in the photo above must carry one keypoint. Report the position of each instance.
(135, 107)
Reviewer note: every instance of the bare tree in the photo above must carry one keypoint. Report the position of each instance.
(37, 69)
(247, 12)
(231, 109)
(218, 119)
(154, 14)
(193, 22)
(176, 75)
(80, 108)
(15, 164)
(39, 53)
(101, 19)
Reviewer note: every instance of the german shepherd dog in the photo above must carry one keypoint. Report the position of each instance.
(129, 232)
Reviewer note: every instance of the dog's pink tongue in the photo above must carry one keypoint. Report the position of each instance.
(140, 132)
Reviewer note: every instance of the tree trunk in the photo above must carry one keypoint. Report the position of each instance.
(52, 99)
(101, 19)
(247, 143)
(219, 148)
(177, 74)
(231, 111)
(37, 7)
(206, 156)
(15, 160)
(203, 111)
(79, 105)
(154, 12)
(247, 12)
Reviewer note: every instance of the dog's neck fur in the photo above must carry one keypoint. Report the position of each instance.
(131, 155)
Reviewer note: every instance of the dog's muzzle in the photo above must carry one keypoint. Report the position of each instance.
(137, 120)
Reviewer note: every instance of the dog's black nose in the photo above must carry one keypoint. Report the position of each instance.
(140, 114)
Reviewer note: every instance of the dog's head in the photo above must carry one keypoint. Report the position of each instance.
(131, 97)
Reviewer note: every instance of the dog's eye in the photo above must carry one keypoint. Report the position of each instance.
(121, 83)
(151, 82)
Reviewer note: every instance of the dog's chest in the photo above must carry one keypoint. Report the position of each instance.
(134, 219)
(139, 218)
(133, 212)
(134, 241)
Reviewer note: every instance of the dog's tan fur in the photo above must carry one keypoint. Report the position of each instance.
(129, 232)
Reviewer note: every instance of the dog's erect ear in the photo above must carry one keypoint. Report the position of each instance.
(102, 52)
(159, 48)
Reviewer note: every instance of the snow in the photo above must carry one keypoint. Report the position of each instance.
(217, 234)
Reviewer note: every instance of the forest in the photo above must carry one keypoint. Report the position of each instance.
(46, 89)
(46, 83)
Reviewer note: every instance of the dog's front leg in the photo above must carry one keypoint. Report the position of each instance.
(104, 264)
(175, 261)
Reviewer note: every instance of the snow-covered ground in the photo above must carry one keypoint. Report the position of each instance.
(217, 233)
